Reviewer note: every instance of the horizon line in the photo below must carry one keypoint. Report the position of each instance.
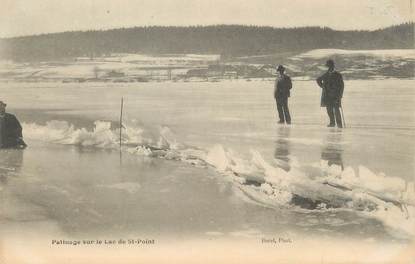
(200, 25)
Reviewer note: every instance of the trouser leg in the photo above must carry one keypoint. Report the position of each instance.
(330, 113)
(286, 111)
(338, 116)
(280, 110)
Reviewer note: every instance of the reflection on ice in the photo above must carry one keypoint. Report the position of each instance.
(277, 183)
(10, 163)
(282, 149)
(332, 150)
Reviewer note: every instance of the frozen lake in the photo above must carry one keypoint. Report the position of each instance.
(207, 160)
(241, 115)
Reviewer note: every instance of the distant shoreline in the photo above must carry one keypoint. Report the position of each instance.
(141, 68)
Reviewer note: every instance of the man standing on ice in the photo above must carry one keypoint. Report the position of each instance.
(332, 86)
(10, 130)
(282, 89)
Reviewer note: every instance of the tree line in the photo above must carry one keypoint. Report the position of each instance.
(227, 40)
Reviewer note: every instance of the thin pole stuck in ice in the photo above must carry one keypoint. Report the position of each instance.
(122, 104)
(344, 121)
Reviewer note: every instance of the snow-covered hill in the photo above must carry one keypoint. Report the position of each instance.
(355, 64)
(121, 67)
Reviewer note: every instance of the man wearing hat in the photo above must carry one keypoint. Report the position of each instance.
(282, 89)
(10, 130)
(332, 84)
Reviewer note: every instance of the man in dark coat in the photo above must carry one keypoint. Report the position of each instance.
(282, 89)
(10, 130)
(332, 86)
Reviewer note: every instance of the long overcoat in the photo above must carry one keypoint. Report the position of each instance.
(282, 87)
(332, 88)
(10, 132)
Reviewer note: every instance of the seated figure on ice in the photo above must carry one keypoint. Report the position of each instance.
(10, 130)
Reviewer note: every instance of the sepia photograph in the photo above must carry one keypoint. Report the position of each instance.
(207, 131)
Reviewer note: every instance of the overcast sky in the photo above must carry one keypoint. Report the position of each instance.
(27, 17)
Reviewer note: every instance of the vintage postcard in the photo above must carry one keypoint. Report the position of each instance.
(196, 131)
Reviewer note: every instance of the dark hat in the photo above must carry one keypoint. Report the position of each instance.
(329, 63)
(280, 68)
(3, 104)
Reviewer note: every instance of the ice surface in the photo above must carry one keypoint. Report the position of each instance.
(361, 175)
(387, 199)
